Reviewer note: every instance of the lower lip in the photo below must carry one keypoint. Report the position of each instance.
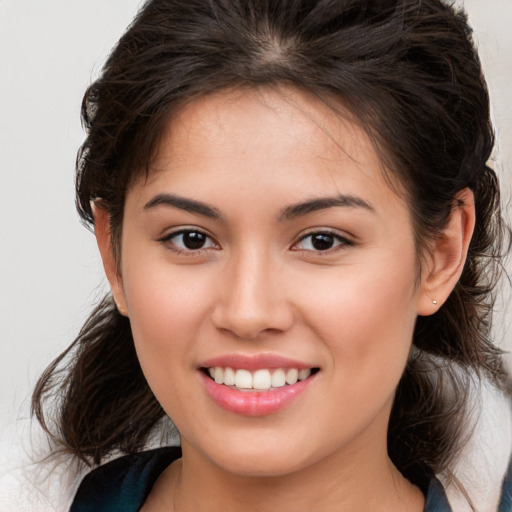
(254, 403)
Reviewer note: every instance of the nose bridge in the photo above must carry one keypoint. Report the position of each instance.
(254, 299)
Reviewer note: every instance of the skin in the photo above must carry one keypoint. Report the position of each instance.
(259, 286)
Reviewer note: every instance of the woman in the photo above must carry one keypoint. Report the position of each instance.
(295, 215)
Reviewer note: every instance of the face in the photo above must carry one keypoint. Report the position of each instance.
(264, 247)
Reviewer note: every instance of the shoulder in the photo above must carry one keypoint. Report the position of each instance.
(124, 483)
(506, 495)
(436, 500)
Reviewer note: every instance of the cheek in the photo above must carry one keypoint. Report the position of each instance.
(167, 306)
(166, 309)
(366, 315)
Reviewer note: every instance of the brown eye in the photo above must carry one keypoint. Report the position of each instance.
(189, 240)
(321, 242)
(194, 240)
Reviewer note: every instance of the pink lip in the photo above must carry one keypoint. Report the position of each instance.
(247, 362)
(254, 403)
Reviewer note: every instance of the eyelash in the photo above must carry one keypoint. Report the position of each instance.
(342, 242)
(167, 240)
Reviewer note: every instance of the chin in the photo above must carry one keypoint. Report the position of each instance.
(262, 465)
(262, 456)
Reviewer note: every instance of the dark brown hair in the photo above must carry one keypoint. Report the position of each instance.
(407, 70)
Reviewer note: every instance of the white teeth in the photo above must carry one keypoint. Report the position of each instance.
(292, 376)
(243, 379)
(262, 379)
(304, 373)
(229, 377)
(278, 378)
(219, 375)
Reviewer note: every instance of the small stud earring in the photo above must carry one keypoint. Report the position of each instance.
(434, 302)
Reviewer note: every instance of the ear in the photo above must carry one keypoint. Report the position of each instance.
(104, 239)
(448, 255)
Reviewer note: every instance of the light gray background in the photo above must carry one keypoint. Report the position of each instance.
(50, 272)
(50, 50)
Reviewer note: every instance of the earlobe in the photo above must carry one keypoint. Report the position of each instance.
(104, 240)
(448, 255)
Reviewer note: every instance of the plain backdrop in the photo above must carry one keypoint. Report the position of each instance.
(50, 273)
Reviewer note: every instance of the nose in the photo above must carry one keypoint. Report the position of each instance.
(253, 299)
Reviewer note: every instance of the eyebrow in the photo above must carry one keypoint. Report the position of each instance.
(183, 203)
(288, 213)
(323, 203)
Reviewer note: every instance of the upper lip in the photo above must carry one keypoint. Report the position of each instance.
(254, 362)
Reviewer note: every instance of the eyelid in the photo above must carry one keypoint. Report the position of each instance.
(166, 239)
(344, 240)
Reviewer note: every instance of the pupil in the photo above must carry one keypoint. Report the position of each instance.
(193, 240)
(322, 242)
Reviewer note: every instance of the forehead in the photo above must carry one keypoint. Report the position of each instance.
(249, 137)
(300, 123)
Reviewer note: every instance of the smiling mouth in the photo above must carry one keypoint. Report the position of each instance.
(258, 380)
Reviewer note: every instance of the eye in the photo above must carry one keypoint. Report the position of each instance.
(321, 241)
(188, 240)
